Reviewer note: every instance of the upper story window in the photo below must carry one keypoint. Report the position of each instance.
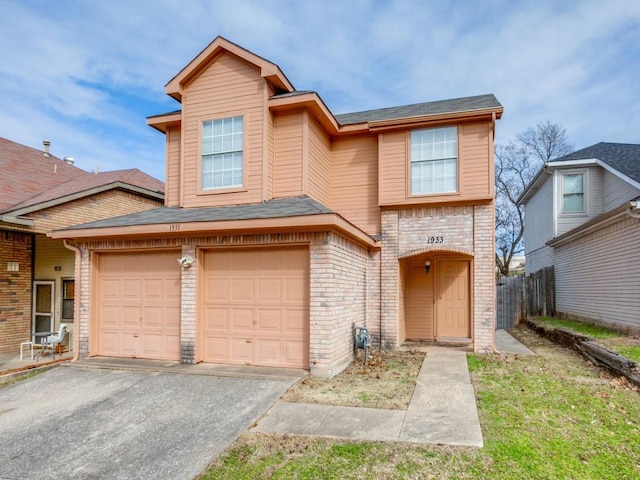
(434, 160)
(573, 193)
(222, 143)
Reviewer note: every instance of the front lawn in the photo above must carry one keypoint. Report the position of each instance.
(549, 416)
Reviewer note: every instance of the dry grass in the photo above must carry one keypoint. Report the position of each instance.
(387, 382)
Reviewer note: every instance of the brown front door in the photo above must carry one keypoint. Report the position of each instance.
(453, 299)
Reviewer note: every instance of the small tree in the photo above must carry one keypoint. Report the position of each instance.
(516, 165)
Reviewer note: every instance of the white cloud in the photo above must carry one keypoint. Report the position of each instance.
(66, 62)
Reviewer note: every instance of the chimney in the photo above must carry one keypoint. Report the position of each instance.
(46, 144)
(69, 160)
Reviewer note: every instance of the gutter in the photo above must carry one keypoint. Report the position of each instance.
(76, 302)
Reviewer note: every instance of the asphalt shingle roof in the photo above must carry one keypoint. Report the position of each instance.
(624, 157)
(30, 178)
(465, 104)
(276, 208)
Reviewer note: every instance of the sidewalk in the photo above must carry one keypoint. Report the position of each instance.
(442, 410)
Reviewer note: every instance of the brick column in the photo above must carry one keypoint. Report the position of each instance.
(389, 280)
(188, 308)
(81, 329)
(484, 279)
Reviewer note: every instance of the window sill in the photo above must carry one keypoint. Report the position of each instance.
(218, 191)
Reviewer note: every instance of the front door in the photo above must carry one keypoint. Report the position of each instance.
(453, 299)
(43, 304)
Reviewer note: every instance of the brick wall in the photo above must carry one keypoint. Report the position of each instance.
(338, 302)
(467, 230)
(341, 274)
(15, 301)
(107, 204)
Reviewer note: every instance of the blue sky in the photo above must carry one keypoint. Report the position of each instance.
(85, 75)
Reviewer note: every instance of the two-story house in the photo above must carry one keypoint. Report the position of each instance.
(286, 226)
(40, 193)
(582, 216)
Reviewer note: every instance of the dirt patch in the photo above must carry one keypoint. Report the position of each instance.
(387, 381)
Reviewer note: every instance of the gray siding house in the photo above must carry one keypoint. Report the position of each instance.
(582, 214)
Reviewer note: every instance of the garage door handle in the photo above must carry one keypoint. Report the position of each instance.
(248, 341)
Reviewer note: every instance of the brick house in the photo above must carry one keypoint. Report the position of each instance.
(291, 226)
(40, 193)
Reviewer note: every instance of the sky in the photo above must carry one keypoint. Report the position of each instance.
(85, 75)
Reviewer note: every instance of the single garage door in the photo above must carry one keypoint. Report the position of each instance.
(255, 307)
(139, 305)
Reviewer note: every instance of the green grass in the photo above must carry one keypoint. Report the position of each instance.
(632, 352)
(594, 331)
(550, 416)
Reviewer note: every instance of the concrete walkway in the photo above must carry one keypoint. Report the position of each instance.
(442, 410)
(506, 344)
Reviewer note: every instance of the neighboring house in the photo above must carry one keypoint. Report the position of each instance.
(40, 193)
(582, 216)
(291, 226)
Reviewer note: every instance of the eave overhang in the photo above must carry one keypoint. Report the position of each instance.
(301, 223)
(428, 120)
(164, 121)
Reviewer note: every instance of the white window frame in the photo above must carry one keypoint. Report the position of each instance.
(222, 163)
(429, 155)
(563, 174)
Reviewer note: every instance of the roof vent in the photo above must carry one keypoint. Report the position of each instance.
(46, 144)
(69, 160)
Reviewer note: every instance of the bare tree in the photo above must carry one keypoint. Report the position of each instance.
(516, 165)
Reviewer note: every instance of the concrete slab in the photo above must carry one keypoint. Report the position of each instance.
(506, 344)
(79, 423)
(442, 410)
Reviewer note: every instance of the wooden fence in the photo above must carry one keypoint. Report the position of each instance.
(520, 297)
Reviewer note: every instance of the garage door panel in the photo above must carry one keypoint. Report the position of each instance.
(269, 290)
(269, 320)
(269, 352)
(241, 350)
(138, 305)
(256, 299)
(242, 290)
(295, 352)
(216, 290)
(296, 320)
(217, 349)
(295, 291)
(242, 320)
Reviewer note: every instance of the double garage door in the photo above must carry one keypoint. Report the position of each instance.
(253, 309)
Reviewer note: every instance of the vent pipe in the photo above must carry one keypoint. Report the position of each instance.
(69, 160)
(46, 144)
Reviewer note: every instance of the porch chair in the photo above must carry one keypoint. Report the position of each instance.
(52, 341)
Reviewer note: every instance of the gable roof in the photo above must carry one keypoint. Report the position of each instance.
(623, 157)
(219, 45)
(32, 181)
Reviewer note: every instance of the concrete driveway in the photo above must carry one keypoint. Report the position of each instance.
(76, 423)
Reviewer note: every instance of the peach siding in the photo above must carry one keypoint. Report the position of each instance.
(354, 182)
(597, 275)
(473, 150)
(319, 163)
(288, 155)
(238, 90)
(475, 167)
(172, 193)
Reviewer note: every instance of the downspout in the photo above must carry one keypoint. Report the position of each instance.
(76, 299)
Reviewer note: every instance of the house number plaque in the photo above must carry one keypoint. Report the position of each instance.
(174, 227)
(435, 239)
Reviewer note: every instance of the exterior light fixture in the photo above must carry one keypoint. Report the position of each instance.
(185, 262)
(427, 266)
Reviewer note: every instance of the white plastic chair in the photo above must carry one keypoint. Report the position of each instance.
(52, 341)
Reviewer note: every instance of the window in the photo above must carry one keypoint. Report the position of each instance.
(434, 160)
(573, 193)
(68, 295)
(222, 153)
